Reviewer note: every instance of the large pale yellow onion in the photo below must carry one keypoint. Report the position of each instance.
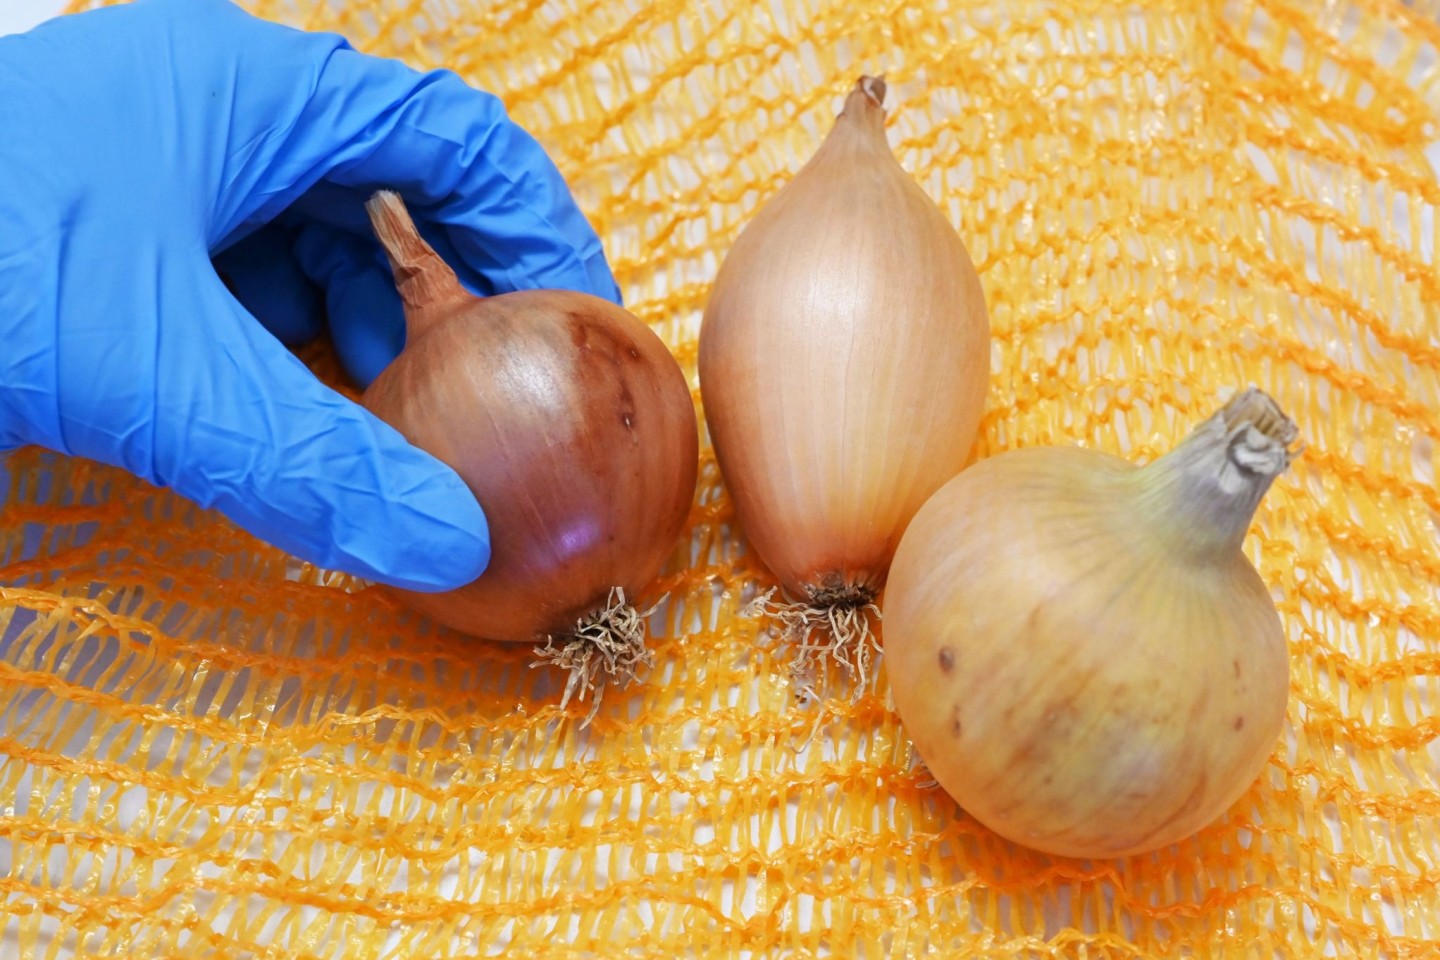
(573, 425)
(1079, 649)
(844, 357)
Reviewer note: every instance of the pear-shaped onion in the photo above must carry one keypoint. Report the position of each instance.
(573, 425)
(844, 357)
(1082, 654)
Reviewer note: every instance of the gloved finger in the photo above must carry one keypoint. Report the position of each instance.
(261, 272)
(363, 122)
(299, 277)
(256, 436)
(367, 320)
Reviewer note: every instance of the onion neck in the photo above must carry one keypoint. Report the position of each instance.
(1204, 493)
(865, 106)
(428, 287)
(859, 131)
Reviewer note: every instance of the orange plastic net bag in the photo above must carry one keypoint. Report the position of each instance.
(205, 752)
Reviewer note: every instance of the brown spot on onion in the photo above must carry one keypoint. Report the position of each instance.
(947, 659)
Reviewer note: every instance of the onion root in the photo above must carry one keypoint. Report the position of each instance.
(845, 636)
(606, 648)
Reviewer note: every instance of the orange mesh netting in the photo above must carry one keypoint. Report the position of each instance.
(208, 752)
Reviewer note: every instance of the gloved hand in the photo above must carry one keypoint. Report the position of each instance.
(145, 151)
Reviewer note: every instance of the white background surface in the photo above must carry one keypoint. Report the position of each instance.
(17, 16)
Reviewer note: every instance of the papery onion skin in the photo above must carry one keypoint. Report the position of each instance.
(844, 361)
(568, 418)
(1085, 664)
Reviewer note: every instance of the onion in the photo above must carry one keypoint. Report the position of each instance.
(1079, 649)
(844, 357)
(573, 425)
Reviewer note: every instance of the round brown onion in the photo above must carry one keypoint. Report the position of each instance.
(571, 422)
(1081, 651)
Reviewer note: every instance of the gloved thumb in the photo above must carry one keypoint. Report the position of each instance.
(243, 426)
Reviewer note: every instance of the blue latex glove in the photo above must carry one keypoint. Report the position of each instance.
(145, 151)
